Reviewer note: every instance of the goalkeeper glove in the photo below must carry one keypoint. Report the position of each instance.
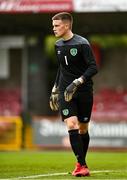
(71, 89)
(54, 99)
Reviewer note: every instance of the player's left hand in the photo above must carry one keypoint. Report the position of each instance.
(71, 89)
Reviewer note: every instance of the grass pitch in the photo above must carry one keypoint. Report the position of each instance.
(44, 165)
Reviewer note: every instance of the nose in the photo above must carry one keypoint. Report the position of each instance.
(53, 28)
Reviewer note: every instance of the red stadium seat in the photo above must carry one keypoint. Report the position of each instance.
(10, 102)
(110, 105)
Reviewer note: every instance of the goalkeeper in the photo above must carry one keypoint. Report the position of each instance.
(72, 93)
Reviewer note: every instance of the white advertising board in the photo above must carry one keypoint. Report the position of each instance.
(100, 5)
(48, 132)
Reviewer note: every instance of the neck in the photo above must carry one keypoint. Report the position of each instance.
(68, 35)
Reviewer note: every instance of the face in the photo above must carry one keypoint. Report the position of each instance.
(60, 28)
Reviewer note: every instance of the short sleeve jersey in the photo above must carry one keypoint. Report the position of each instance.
(75, 59)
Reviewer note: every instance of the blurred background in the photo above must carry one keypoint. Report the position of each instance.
(28, 68)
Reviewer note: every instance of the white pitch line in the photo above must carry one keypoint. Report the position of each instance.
(36, 176)
(60, 174)
(110, 171)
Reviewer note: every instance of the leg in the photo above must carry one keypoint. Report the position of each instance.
(69, 116)
(75, 139)
(77, 146)
(85, 103)
(83, 131)
(69, 113)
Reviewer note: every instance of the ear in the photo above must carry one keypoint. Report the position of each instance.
(67, 26)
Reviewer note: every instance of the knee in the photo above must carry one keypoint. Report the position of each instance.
(83, 129)
(72, 123)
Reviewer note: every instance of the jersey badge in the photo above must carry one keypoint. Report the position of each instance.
(65, 112)
(73, 51)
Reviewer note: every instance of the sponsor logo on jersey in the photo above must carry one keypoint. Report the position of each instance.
(73, 51)
(65, 112)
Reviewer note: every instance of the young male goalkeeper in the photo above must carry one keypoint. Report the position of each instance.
(72, 92)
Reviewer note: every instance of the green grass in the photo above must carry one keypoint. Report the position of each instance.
(28, 163)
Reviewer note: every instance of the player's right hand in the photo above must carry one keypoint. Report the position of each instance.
(54, 99)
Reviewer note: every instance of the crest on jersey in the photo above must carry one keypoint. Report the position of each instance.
(65, 112)
(73, 51)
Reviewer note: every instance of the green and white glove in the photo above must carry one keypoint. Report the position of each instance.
(72, 88)
(54, 99)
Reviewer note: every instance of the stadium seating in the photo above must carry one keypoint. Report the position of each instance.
(10, 102)
(110, 105)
